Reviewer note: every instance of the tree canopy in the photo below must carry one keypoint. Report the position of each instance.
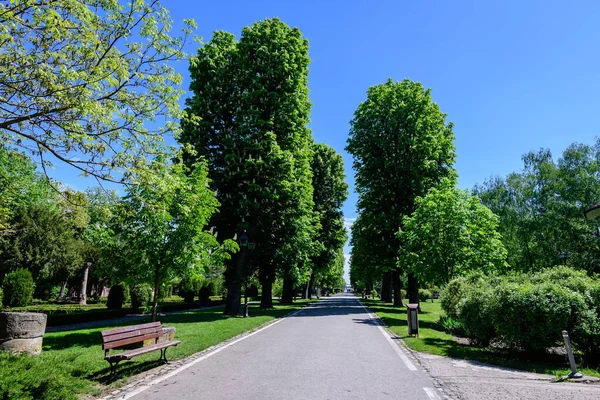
(402, 146)
(85, 82)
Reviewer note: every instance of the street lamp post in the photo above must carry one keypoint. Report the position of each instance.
(245, 245)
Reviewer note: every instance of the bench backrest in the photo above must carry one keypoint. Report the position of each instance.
(113, 338)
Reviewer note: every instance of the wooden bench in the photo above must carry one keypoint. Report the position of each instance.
(115, 338)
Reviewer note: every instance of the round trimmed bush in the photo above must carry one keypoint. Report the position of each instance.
(205, 292)
(18, 288)
(425, 294)
(141, 296)
(452, 294)
(116, 297)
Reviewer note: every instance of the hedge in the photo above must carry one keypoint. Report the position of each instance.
(527, 312)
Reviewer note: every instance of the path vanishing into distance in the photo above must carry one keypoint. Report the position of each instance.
(332, 349)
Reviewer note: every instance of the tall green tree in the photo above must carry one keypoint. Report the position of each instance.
(83, 82)
(402, 146)
(160, 226)
(449, 234)
(248, 118)
(329, 193)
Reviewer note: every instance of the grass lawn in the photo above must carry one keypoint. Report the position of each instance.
(432, 339)
(72, 362)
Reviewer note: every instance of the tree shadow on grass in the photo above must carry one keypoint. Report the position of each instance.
(125, 369)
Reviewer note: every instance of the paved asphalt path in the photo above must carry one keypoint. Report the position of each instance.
(333, 349)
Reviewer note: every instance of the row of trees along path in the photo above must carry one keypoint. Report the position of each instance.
(248, 118)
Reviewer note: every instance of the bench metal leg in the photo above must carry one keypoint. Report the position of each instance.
(113, 368)
(163, 355)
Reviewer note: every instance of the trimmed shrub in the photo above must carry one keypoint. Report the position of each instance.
(532, 316)
(141, 296)
(17, 288)
(189, 286)
(527, 312)
(205, 292)
(476, 316)
(452, 294)
(425, 294)
(116, 297)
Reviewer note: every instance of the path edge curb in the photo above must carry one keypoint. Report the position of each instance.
(414, 355)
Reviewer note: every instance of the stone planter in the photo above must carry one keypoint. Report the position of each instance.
(22, 332)
(168, 334)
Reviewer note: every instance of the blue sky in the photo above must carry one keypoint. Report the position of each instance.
(513, 76)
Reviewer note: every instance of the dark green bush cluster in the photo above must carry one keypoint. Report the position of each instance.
(141, 296)
(425, 294)
(527, 312)
(17, 288)
(207, 290)
(116, 297)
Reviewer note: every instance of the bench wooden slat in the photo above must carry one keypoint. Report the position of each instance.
(127, 335)
(116, 331)
(142, 350)
(135, 339)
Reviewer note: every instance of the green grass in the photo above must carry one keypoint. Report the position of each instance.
(432, 339)
(72, 363)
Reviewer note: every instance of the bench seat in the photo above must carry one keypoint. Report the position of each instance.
(128, 355)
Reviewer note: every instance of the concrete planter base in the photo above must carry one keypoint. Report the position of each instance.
(22, 332)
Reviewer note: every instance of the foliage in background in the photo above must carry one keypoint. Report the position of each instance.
(20, 185)
(541, 209)
(159, 229)
(449, 234)
(83, 82)
(17, 288)
(43, 242)
(330, 192)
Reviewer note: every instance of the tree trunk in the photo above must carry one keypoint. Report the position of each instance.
(413, 289)
(83, 290)
(287, 295)
(397, 283)
(266, 299)
(309, 286)
(386, 287)
(304, 294)
(62, 290)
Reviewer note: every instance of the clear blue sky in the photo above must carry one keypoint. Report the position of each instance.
(513, 76)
